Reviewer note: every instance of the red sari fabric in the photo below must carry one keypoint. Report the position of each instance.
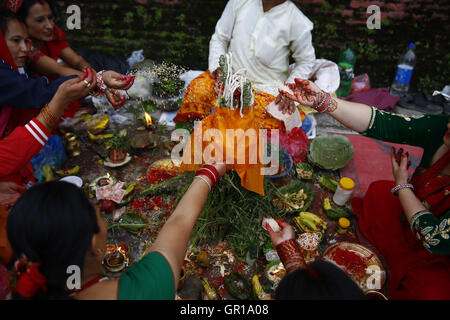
(416, 273)
(53, 50)
(5, 112)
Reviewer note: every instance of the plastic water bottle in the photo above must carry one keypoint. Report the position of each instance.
(405, 68)
(346, 64)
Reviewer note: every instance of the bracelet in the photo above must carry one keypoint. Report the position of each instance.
(49, 117)
(213, 170)
(323, 101)
(206, 181)
(290, 255)
(325, 105)
(100, 83)
(204, 172)
(398, 187)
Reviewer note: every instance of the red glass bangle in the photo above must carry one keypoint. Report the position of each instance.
(208, 174)
(214, 170)
(326, 103)
(290, 255)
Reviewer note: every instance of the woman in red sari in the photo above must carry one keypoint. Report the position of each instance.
(48, 40)
(408, 221)
(49, 47)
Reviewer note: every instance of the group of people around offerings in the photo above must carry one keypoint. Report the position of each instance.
(48, 227)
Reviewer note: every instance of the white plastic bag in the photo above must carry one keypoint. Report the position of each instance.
(135, 57)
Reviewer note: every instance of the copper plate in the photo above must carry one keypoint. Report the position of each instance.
(364, 253)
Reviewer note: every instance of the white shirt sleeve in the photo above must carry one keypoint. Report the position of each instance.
(221, 38)
(302, 52)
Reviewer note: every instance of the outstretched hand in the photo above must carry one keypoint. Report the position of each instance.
(286, 233)
(116, 80)
(115, 98)
(305, 92)
(74, 89)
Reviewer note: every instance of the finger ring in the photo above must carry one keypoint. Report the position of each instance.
(87, 83)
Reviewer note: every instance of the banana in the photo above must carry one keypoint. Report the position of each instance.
(99, 137)
(315, 218)
(72, 172)
(209, 291)
(310, 224)
(48, 173)
(259, 291)
(130, 188)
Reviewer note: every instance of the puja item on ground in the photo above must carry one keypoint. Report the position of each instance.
(107, 206)
(295, 143)
(117, 147)
(111, 192)
(97, 123)
(209, 293)
(100, 136)
(309, 242)
(203, 259)
(238, 286)
(144, 141)
(68, 172)
(328, 183)
(170, 184)
(77, 181)
(330, 151)
(337, 213)
(102, 181)
(310, 222)
(343, 225)
(116, 258)
(258, 289)
(132, 223)
(118, 213)
(72, 144)
(359, 262)
(305, 171)
(275, 271)
(294, 197)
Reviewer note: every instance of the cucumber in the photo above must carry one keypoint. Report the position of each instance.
(337, 213)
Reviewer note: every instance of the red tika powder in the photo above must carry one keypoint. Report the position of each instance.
(351, 261)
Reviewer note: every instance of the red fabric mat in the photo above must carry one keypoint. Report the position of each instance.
(372, 161)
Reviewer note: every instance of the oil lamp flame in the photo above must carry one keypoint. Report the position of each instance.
(148, 119)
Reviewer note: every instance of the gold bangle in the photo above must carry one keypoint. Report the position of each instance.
(49, 117)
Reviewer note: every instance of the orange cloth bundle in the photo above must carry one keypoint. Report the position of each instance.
(198, 100)
(226, 136)
(244, 153)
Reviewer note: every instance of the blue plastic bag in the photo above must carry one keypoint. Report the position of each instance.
(51, 154)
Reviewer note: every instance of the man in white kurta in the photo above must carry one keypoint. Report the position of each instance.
(263, 42)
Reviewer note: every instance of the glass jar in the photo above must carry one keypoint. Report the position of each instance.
(343, 191)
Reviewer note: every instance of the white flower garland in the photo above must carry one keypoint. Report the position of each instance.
(234, 81)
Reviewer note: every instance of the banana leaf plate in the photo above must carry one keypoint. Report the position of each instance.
(295, 202)
(330, 151)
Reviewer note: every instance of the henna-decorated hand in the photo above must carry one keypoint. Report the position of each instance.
(305, 92)
(115, 97)
(400, 165)
(116, 80)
